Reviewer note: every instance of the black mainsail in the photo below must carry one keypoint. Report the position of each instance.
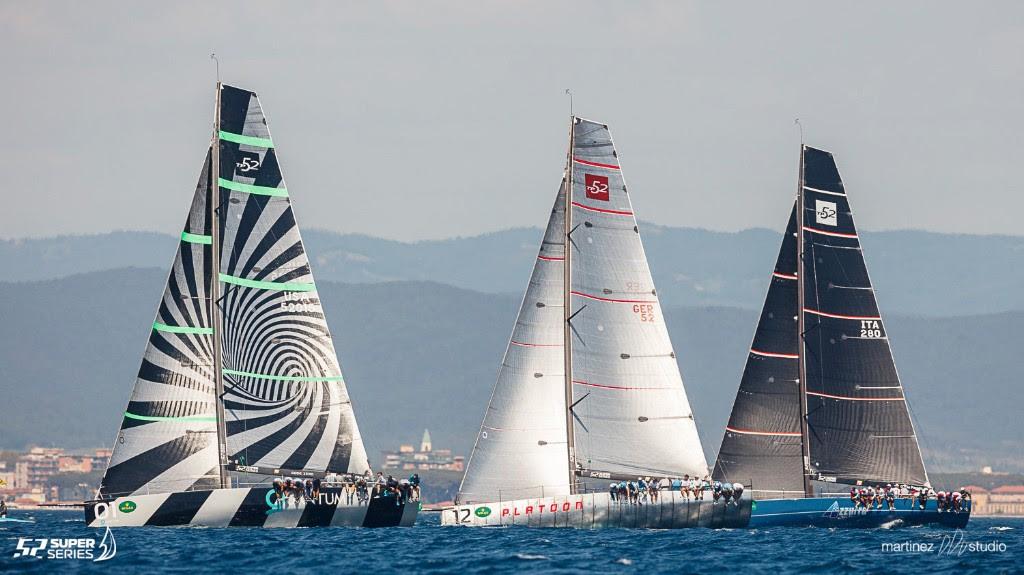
(856, 425)
(284, 404)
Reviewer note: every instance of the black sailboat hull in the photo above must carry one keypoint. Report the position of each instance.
(248, 507)
(840, 512)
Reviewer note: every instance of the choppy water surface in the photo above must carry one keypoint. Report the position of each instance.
(998, 547)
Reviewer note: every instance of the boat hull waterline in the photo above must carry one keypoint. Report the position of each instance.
(840, 512)
(597, 510)
(247, 507)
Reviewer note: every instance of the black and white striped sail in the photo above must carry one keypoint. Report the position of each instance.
(521, 449)
(631, 413)
(168, 437)
(286, 404)
(858, 424)
(762, 439)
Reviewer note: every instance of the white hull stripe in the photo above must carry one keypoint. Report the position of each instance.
(824, 192)
(845, 398)
(749, 432)
(770, 354)
(833, 234)
(839, 316)
(784, 276)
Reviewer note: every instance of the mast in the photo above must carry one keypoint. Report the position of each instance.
(566, 311)
(804, 437)
(218, 375)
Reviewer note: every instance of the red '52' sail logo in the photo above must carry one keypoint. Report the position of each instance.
(597, 187)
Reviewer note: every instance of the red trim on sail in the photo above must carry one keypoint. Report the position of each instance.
(838, 316)
(615, 212)
(581, 294)
(784, 276)
(524, 344)
(620, 388)
(595, 164)
(550, 259)
(836, 234)
(749, 432)
(769, 354)
(853, 398)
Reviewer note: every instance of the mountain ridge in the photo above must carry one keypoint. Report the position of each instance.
(914, 272)
(424, 355)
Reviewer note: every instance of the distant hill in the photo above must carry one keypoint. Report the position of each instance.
(915, 273)
(421, 354)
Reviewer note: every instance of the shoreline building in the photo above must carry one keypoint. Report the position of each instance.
(425, 459)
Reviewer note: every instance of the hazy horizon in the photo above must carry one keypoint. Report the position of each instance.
(409, 121)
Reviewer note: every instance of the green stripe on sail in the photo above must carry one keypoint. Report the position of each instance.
(196, 238)
(280, 377)
(186, 418)
(251, 189)
(247, 140)
(182, 329)
(276, 286)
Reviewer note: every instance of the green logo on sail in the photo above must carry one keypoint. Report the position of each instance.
(482, 511)
(127, 506)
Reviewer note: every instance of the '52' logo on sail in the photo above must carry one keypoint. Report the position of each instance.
(248, 163)
(597, 187)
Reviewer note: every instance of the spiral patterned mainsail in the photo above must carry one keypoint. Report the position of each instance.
(285, 401)
(286, 404)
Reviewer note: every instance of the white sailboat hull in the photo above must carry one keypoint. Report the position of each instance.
(596, 510)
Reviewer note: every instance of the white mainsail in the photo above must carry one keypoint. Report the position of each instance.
(631, 413)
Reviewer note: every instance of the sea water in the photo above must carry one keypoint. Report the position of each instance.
(988, 545)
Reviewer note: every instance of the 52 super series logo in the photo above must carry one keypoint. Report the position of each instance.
(67, 548)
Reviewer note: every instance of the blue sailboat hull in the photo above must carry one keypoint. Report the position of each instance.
(840, 512)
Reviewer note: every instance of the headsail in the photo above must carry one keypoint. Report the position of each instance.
(168, 438)
(631, 413)
(286, 403)
(521, 449)
(762, 439)
(858, 423)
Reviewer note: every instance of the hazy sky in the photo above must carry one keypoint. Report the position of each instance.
(414, 120)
